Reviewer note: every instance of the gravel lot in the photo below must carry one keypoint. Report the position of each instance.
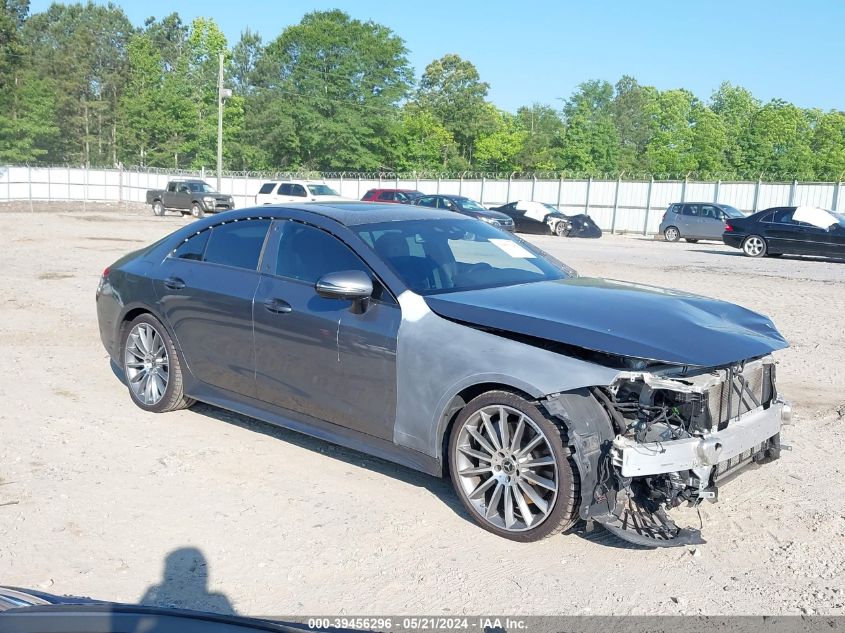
(209, 510)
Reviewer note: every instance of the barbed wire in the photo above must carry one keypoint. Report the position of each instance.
(410, 175)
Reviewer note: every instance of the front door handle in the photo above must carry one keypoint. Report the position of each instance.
(277, 306)
(174, 283)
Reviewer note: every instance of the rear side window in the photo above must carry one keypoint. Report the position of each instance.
(387, 195)
(691, 209)
(192, 248)
(783, 216)
(237, 244)
(267, 187)
(298, 190)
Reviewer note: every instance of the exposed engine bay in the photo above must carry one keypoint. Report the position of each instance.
(679, 435)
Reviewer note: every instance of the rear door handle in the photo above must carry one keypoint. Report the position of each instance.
(277, 306)
(174, 283)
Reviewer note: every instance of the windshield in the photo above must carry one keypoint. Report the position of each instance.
(551, 208)
(732, 212)
(437, 256)
(469, 205)
(321, 190)
(200, 187)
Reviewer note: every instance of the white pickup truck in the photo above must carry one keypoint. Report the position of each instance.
(296, 191)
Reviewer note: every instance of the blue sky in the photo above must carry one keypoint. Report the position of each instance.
(540, 51)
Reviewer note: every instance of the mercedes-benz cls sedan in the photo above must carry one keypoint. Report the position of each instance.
(448, 345)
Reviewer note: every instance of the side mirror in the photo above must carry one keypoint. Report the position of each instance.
(346, 284)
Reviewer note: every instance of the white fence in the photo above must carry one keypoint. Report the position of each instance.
(629, 206)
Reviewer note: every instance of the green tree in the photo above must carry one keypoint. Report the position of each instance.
(631, 107)
(828, 146)
(669, 151)
(339, 82)
(452, 89)
(591, 144)
(736, 107)
(544, 137)
(499, 149)
(778, 142)
(709, 142)
(426, 143)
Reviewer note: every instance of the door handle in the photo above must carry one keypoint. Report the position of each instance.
(174, 283)
(277, 306)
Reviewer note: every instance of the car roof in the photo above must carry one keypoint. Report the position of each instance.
(715, 204)
(350, 213)
(383, 189)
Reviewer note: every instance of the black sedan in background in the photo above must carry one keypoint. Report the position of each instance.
(466, 206)
(545, 219)
(788, 231)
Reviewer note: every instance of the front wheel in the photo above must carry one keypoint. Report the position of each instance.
(197, 211)
(151, 367)
(672, 234)
(560, 229)
(158, 208)
(754, 246)
(511, 468)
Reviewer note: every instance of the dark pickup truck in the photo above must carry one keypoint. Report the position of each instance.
(196, 197)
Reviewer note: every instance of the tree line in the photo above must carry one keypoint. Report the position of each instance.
(80, 84)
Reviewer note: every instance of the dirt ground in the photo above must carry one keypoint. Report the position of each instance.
(209, 510)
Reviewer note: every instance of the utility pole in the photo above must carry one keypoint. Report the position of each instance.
(222, 95)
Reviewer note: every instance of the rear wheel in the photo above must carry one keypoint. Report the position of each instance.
(672, 234)
(151, 367)
(511, 468)
(158, 208)
(754, 246)
(197, 211)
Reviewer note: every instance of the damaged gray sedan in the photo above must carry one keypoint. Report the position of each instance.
(455, 348)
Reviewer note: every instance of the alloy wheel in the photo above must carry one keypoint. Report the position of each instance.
(754, 246)
(506, 468)
(146, 363)
(672, 234)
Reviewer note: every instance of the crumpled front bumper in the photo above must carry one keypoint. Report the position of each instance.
(741, 435)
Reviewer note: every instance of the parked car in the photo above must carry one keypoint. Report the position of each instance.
(402, 196)
(466, 206)
(275, 192)
(695, 221)
(788, 231)
(442, 343)
(545, 219)
(188, 195)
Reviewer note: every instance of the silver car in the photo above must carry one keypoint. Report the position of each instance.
(695, 221)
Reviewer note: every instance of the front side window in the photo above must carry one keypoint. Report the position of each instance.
(285, 189)
(428, 201)
(710, 212)
(321, 190)
(387, 195)
(237, 244)
(469, 205)
(436, 256)
(307, 253)
(200, 187)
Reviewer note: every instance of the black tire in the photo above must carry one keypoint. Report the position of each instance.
(174, 397)
(560, 229)
(158, 208)
(774, 254)
(197, 210)
(564, 511)
(754, 246)
(691, 241)
(672, 234)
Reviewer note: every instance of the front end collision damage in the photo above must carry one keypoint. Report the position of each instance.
(652, 441)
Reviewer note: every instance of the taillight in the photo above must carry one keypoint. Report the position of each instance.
(105, 272)
(102, 281)
(729, 228)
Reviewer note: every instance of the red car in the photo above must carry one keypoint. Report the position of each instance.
(400, 196)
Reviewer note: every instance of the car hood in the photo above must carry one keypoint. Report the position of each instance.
(486, 213)
(619, 318)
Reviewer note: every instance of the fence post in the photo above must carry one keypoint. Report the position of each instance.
(757, 193)
(461, 185)
(792, 192)
(396, 179)
(615, 205)
(379, 180)
(202, 172)
(359, 186)
(716, 193)
(29, 183)
(416, 180)
(438, 183)
(341, 184)
(836, 187)
(508, 194)
(648, 205)
(684, 189)
(587, 202)
(85, 189)
(559, 190)
(49, 179)
(482, 191)
(533, 185)
(120, 184)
